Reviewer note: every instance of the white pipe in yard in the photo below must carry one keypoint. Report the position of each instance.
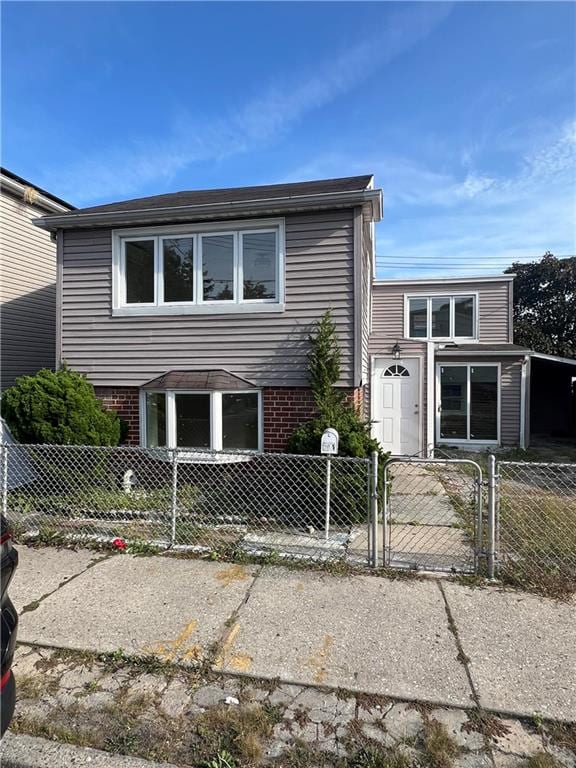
(328, 481)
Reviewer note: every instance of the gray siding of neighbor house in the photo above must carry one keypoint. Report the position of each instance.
(269, 349)
(493, 303)
(510, 389)
(27, 293)
(366, 299)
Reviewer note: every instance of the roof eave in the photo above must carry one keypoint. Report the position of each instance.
(368, 198)
(43, 200)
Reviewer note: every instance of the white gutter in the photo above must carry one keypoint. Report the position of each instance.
(482, 353)
(444, 280)
(372, 196)
(39, 201)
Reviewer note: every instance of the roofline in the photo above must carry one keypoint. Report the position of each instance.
(373, 197)
(553, 358)
(441, 280)
(16, 184)
(483, 352)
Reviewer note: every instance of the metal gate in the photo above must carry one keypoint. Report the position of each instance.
(432, 514)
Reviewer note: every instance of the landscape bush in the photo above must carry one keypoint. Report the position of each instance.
(59, 408)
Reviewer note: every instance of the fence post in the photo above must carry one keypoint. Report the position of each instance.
(4, 450)
(491, 528)
(374, 560)
(174, 496)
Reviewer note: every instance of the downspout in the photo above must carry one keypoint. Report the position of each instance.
(430, 404)
(59, 289)
(523, 400)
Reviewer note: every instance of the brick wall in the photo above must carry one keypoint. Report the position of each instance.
(285, 408)
(125, 401)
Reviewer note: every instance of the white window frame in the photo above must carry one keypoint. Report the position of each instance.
(468, 366)
(216, 422)
(120, 306)
(451, 296)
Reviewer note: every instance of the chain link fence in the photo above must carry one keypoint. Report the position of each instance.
(200, 501)
(536, 523)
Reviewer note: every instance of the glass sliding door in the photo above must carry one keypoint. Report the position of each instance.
(453, 402)
(483, 402)
(468, 403)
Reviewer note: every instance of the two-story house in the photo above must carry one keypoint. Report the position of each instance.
(190, 314)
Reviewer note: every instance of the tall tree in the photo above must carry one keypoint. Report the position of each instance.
(545, 305)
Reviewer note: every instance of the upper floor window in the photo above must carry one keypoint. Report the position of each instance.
(441, 317)
(199, 269)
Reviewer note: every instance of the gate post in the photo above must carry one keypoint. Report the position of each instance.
(385, 516)
(4, 455)
(491, 528)
(373, 539)
(174, 496)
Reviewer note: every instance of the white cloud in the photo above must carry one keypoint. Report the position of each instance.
(124, 169)
(465, 220)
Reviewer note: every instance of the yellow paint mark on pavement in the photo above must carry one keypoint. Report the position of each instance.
(238, 661)
(318, 660)
(230, 575)
(170, 649)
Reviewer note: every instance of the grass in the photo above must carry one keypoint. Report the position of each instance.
(542, 760)
(538, 539)
(440, 748)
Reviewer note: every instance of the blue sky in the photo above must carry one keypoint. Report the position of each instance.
(464, 112)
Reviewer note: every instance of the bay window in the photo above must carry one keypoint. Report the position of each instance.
(441, 318)
(195, 269)
(213, 420)
(468, 403)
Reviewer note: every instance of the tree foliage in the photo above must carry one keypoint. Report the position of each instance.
(333, 408)
(58, 408)
(545, 305)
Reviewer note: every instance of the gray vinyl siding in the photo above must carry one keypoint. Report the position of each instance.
(493, 306)
(510, 392)
(269, 349)
(27, 292)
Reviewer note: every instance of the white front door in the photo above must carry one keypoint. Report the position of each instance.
(397, 405)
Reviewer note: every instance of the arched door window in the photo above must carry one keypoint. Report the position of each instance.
(396, 371)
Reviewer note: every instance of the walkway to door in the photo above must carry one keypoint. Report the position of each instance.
(431, 515)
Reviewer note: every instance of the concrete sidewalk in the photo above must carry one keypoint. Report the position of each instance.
(429, 640)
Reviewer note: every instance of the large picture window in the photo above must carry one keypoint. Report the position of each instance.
(441, 317)
(215, 420)
(468, 408)
(180, 271)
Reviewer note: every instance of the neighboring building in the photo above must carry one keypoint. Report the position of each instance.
(27, 279)
(190, 313)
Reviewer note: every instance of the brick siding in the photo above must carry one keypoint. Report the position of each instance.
(125, 401)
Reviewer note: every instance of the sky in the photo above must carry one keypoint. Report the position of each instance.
(465, 112)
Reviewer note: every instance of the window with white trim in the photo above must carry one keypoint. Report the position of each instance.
(442, 318)
(199, 269)
(192, 419)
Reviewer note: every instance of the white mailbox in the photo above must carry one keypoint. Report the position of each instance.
(329, 442)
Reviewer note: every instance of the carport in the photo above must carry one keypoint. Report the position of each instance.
(552, 393)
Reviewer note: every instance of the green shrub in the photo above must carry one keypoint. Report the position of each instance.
(58, 408)
(333, 409)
